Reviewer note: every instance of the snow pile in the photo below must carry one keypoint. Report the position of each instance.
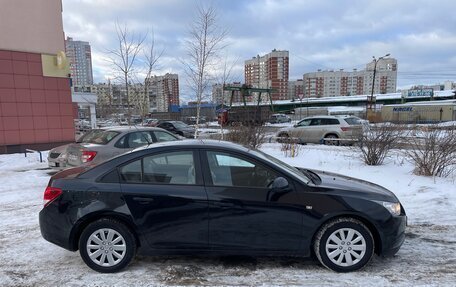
(425, 259)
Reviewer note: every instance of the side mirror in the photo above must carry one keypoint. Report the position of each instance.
(295, 126)
(279, 184)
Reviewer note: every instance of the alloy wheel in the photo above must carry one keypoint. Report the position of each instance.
(106, 247)
(345, 247)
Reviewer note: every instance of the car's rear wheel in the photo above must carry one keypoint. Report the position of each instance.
(107, 245)
(331, 140)
(344, 245)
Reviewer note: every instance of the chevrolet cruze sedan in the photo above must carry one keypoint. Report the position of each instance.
(214, 197)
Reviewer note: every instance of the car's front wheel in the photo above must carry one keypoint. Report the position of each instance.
(107, 245)
(344, 245)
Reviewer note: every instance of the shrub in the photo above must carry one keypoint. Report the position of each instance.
(433, 151)
(376, 141)
(250, 135)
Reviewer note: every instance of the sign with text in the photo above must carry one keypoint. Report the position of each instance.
(420, 93)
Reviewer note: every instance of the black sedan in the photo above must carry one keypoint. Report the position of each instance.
(213, 197)
(178, 127)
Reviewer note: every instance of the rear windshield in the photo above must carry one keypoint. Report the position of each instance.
(353, 121)
(180, 125)
(100, 137)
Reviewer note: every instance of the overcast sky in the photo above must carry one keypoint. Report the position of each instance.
(319, 34)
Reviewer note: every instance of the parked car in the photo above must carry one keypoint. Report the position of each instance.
(332, 130)
(57, 157)
(178, 127)
(111, 142)
(215, 197)
(279, 118)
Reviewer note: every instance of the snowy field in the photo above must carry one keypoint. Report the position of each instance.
(427, 258)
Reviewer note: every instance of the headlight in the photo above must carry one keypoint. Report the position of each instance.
(393, 207)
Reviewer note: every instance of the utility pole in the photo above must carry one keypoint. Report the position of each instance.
(371, 99)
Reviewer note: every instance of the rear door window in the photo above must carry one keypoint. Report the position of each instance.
(330, 122)
(316, 122)
(137, 139)
(170, 168)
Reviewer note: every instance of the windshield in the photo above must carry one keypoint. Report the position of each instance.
(296, 172)
(99, 137)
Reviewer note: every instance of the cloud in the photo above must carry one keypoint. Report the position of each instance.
(319, 34)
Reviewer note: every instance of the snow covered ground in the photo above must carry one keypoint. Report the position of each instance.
(427, 257)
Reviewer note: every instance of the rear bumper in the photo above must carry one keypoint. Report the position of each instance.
(54, 227)
(394, 235)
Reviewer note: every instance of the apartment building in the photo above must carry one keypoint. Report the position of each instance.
(269, 71)
(295, 89)
(80, 57)
(332, 83)
(224, 97)
(163, 92)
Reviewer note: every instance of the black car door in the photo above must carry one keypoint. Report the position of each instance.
(243, 214)
(167, 199)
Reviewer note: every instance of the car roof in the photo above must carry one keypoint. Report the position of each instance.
(131, 128)
(330, 117)
(195, 143)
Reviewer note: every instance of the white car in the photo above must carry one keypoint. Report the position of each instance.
(333, 130)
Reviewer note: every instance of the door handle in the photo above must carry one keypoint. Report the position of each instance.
(227, 204)
(143, 200)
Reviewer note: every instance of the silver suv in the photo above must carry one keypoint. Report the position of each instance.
(333, 130)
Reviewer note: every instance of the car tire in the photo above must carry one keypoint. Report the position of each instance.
(107, 245)
(344, 245)
(335, 140)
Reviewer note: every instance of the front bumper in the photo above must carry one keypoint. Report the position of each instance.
(394, 235)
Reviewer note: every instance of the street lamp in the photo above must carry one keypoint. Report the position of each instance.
(369, 100)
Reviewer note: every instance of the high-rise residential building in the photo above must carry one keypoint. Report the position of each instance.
(385, 77)
(36, 108)
(164, 92)
(295, 89)
(269, 71)
(345, 83)
(80, 58)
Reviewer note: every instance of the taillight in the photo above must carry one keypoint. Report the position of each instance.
(88, 155)
(344, 129)
(50, 194)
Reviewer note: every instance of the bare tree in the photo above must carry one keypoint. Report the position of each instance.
(225, 77)
(124, 57)
(203, 46)
(151, 56)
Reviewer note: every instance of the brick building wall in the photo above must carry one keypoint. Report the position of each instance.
(36, 111)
